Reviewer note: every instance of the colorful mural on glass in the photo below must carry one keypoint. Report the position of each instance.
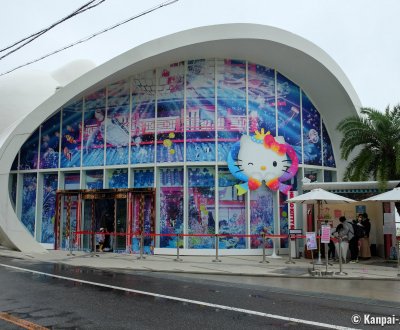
(261, 98)
(170, 113)
(94, 129)
(94, 179)
(28, 210)
(117, 124)
(71, 135)
(261, 216)
(289, 125)
(29, 153)
(231, 212)
(207, 114)
(71, 180)
(143, 178)
(50, 142)
(171, 206)
(143, 117)
(328, 157)
(311, 133)
(118, 178)
(50, 182)
(231, 95)
(201, 192)
(200, 111)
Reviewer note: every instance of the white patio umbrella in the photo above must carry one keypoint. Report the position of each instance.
(388, 196)
(319, 196)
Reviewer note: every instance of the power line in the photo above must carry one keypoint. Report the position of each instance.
(92, 36)
(23, 42)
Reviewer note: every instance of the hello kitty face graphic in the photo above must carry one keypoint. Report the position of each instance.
(262, 158)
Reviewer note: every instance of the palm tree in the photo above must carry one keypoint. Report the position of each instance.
(374, 139)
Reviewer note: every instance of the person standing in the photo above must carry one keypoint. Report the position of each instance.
(344, 233)
(365, 251)
(353, 242)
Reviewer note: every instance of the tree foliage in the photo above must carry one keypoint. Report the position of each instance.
(373, 138)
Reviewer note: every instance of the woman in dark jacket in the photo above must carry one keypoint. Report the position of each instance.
(365, 251)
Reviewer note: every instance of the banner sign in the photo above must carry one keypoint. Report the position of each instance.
(311, 241)
(325, 234)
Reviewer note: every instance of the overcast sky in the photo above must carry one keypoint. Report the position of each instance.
(362, 36)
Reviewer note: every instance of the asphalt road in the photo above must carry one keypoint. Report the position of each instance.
(56, 296)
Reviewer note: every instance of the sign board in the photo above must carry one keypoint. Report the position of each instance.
(325, 234)
(295, 231)
(292, 210)
(311, 241)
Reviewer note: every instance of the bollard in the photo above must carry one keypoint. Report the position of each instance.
(264, 259)
(290, 261)
(177, 249)
(216, 249)
(141, 256)
(341, 272)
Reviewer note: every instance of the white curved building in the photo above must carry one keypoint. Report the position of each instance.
(163, 116)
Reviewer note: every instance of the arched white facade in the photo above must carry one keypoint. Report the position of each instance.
(299, 60)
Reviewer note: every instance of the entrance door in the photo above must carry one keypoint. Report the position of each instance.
(107, 209)
(120, 225)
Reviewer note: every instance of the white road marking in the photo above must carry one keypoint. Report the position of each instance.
(189, 301)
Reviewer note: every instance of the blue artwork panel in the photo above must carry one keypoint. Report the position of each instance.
(118, 178)
(94, 129)
(231, 92)
(231, 125)
(289, 124)
(171, 206)
(201, 207)
(200, 132)
(143, 178)
(71, 135)
(311, 133)
(28, 209)
(117, 135)
(93, 137)
(170, 110)
(143, 118)
(71, 181)
(200, 111)
(50, 142)
(200, 79)
(329, 158)
(94, 179)
(231, 79)
(48, 207)
(231, 211)
(170, 131)
(261, 216)
(261, 99)
(29, 153)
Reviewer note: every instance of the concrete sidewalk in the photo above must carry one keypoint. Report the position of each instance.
(375, 268)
